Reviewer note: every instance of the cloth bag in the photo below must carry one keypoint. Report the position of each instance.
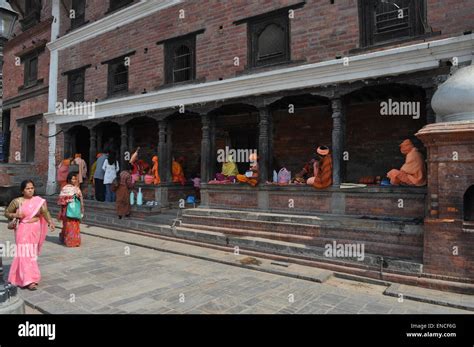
(73, 210)
(284, 176)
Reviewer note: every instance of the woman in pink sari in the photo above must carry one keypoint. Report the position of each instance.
(70, 234)
(30, 234)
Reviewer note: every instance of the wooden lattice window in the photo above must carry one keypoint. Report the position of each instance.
(118, 77)
(32, 14)
(269, 40)
(391, 20)
(76, 81)
(180, 60)
(31, 69)
(79, 7)
(116, 4)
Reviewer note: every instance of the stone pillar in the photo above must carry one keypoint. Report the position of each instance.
(123, 144)
(93, 146)
(205, 148)
(337, 140)
(263, 144)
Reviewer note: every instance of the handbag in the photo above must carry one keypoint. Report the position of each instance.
(115, 185)
(73, 210)
(13, 224)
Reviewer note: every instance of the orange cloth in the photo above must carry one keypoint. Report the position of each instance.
(413, 172)
(244, 179)
(154, 170)
(323, 178)
(178, 174)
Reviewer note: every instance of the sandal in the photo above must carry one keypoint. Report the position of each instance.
(33, 286)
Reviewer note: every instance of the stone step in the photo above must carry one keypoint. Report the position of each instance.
(297, 250)
(328, 228)
(380, 248)
(260, 244)
(410, 225)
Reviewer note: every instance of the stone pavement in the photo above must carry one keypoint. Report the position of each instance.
(127, 275)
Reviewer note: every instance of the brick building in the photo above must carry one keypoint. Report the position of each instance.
(186, 78)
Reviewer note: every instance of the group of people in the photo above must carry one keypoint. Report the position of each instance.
(318, 172)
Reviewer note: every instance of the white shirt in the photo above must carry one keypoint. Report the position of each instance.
(110, 171)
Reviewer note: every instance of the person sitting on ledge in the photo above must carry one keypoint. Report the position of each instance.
(322, 169)
(251, 176)
(178, 173)
(413, 172)
(229, 170)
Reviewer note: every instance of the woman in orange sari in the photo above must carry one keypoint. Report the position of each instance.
(30, 234)
(178, 173)
(155, 171)
(70, 233)
(63, 170)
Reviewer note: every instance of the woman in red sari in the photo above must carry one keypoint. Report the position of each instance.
(70, 233)
(30, 234)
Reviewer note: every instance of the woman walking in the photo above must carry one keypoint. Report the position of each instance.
(111, 168)
(123, 192)
(30, 233)
(71, 193)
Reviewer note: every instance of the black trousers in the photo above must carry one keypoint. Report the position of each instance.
(99, 190)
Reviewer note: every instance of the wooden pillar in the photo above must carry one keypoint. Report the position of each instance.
(99, 140)
(131, 140)
(93, 146)
(263, 144)
(212, 147)
(205, 148)
(169, 151)
(67, 144)
(163, 161)
(123, 144)
(337, 140)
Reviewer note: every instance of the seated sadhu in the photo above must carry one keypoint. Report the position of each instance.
(178, 173)
(305, 173)
(251, 176)
(229, 170)
(322, 169)
(413, 172)
(154, 170)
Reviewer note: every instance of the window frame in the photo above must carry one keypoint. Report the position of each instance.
(118, 4)
(367, 24)
(256, 27)
(112, 89)
(70, 82)
(27, 82)
(170, 47)
(32, 14)
(78, 21)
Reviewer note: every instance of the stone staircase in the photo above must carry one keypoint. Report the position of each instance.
(395, 244)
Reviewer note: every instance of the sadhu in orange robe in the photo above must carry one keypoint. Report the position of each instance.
(178, 173)
(413, 172)
(322, 171)
(154, 171)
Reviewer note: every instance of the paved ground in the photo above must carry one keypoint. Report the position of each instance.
(108, 276)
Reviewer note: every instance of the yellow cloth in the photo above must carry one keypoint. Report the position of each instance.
(93, 168)
(230, 169)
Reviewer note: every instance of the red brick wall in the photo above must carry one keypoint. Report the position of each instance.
(319, 31)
